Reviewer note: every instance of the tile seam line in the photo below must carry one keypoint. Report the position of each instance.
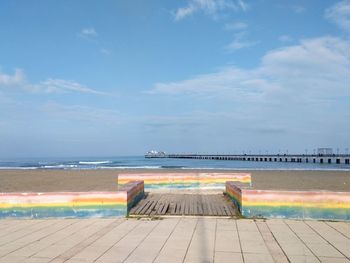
(100, 233)
(21, 228)
(216, 227)
(73, 223)
(327, 223)
(172, 231)
(327, 240)
(284, 253)
(189, 244)
(26, 236)
(239, 240)
(89, 225)
(70, 235)
(142, 240)
(115, 242)
(302, 241)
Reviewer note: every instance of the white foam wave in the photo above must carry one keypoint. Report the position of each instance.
(60, 166)
(18, 168)
(94, 163)
(129, 167)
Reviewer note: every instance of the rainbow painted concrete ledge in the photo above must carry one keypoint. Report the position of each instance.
(290, 204)
(185, 181)
(71, 204)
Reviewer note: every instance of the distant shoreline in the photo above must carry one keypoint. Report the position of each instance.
(49, 180)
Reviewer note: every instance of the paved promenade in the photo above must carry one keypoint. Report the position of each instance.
(173, 240)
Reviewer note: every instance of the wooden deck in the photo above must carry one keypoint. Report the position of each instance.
(184, 205)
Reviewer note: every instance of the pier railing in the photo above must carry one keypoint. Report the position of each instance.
(294, 158)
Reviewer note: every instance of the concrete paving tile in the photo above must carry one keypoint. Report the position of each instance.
(274, 221)
(18, 226)
(341, 227)
(247, 225)
(303, 259)
(324, 250)
(227, 241)
(254, 247)
(53, 251)
(176, 246)
(121, 250)
(312, 238)
(37, 242)
(336, 239)
(36, 260)
(77, 261)
(153, 243)
(171, 255)
(273, 247)
(257, 258)
(91, 253)
(12, 259)
(226, 224)
(23, 233)
(250, 235)
(100, 246)
(299, 227)
(7, 250)
(295, 249)
(333, 260)
(227, 257)
(201, 248)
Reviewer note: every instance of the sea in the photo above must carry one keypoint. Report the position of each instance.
(140, 162)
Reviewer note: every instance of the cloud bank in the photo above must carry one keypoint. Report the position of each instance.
(18, 81)
(211, 8)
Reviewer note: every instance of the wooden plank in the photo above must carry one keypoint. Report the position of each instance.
(144, 209)
(151, 207)
(136, 209)
(205, 206)
(184, 204)
(165, 208)
(140, 207)
(195, 205)
(213, 207)
(200, 206)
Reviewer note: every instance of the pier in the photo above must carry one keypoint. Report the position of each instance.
(292, 158)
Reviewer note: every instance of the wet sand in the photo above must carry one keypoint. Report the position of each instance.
(106, 180)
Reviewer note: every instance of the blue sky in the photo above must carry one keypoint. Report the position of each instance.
(100, 78)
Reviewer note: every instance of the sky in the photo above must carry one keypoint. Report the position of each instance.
(109, 78)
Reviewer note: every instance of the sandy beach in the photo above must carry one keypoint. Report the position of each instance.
(106, 180)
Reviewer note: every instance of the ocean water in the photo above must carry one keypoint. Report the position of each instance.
(139, 162)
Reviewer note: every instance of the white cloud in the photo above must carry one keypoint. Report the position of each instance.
(12, 80)
(240, 41)
(89, 32)
(209, 7)
(315, 71)
(18, 81)
(62, 86)
(298, 93)
(340, 14)
(236, 26)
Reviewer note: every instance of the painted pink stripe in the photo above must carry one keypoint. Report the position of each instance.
(295, 196)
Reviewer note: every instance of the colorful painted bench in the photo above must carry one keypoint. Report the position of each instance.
(290, 204)
(71, 204)
(184, 181)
